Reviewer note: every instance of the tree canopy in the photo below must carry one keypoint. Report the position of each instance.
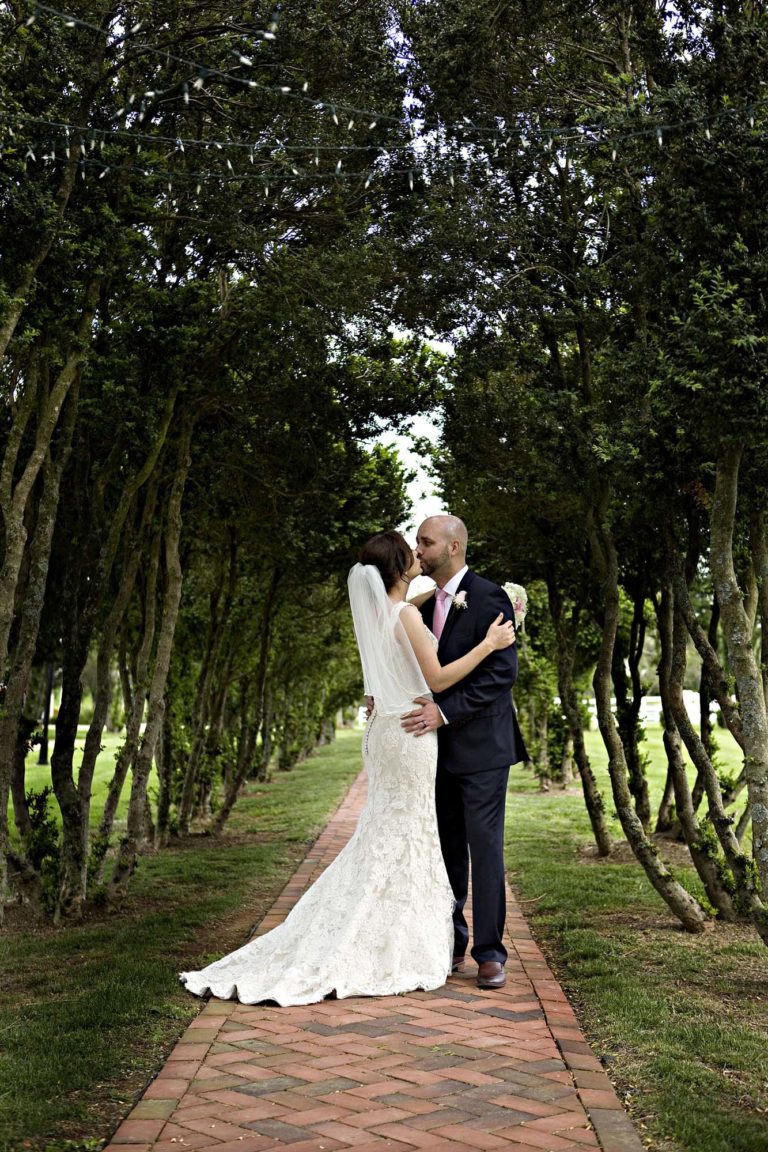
(230, 237)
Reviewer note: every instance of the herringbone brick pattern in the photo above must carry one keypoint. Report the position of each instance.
(452, 1069)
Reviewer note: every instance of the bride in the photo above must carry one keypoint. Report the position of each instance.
(378, 921)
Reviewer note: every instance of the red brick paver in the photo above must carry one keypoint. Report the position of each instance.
(455, 1069)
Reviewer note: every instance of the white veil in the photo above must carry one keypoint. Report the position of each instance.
(390, 669)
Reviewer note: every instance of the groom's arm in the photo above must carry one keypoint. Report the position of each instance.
(495, 676)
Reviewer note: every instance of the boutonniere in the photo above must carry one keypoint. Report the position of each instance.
(460, 599)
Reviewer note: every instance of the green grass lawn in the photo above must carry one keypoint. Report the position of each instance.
(679, 1020)
(38, 776)
(89, 1012)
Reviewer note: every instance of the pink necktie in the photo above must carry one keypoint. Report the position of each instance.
(441, 611)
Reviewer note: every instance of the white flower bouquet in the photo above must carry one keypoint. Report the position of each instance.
(519, 598)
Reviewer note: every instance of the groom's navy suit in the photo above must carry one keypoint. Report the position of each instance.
(475, 749)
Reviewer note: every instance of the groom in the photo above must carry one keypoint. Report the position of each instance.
(478, 738)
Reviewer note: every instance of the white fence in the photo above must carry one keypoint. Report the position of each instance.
(650, 708)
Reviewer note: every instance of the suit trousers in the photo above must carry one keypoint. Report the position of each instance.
(470, 820)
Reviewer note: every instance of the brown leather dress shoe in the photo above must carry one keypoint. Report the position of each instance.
(457, 964)
(491, 974)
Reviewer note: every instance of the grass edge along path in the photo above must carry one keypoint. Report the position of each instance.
(679, 1021)
(89, 1012)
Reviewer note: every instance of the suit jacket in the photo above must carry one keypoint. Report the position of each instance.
(482, 730)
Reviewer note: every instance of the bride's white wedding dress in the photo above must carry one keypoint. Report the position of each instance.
(378, 921)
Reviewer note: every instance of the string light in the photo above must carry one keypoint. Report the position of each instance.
(271, 152)
(192, 142)
(572, 137)
(493, 128)
(294, 176)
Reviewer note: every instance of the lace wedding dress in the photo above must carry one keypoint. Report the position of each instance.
(378, 921)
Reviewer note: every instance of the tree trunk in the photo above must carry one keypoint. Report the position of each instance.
(743, 823)
(21, 813)
(681, 903)
(218, 711)
(664, 819)
(13, 498)
(204, 702)
(570, 704)
(72, 863)
(46, 714)
(759, 544)
(135, 705)
(265, 752)
(628, 709)
(164, 760)
(103, 693)
(716, 675)
(267, 618)
(747, 899)
(738, 640)
(672, 636)
(566, 762)
(133, 842)
(543, 769)
(11, 764)
(706, 727)
(705, 694)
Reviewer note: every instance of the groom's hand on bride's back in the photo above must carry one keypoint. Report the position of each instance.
(369, 702)
(423, 719)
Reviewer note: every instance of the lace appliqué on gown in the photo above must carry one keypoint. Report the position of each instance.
(378, 921)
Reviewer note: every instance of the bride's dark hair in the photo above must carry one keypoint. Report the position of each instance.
(389, 552)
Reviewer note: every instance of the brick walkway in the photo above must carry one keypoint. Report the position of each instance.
(452, 1069)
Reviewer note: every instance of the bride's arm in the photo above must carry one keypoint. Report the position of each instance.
(438, 677)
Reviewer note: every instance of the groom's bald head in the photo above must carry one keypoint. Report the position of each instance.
(450, 529)
(441, 547)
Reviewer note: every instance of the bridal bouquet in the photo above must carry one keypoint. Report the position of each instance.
(519, 598)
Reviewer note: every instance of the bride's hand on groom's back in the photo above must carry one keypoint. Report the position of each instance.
(501, 633)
